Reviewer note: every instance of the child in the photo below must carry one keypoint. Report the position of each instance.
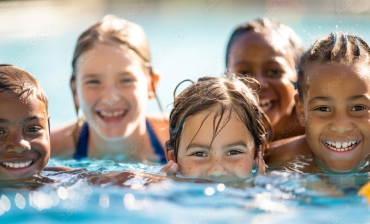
(333, 104)
(111, 82)
(268, 51)
(216, 130)
(24, 125)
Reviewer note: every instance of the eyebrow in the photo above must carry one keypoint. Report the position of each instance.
(322, 98)
(328, 99)
(27, 119)
(239, 143)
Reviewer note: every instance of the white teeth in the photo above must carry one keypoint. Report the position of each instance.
(111, 114)
(341, 146)
(337, 145)
(265, 104)
(17, 165)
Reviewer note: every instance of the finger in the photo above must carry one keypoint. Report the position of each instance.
(166, 167)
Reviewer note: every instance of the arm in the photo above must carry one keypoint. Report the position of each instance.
(62, 141)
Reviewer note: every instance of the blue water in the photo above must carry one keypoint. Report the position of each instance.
(187, 40)
(277, 197)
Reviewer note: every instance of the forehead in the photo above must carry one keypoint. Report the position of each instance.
(263, 39)
(337, 80)
(200, 129)
(104, 57)
(13, 107)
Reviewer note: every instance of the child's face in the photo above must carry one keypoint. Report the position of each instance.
(336, 114)
(24, 136)
(263, 57)
(230, 156)
(112, 90)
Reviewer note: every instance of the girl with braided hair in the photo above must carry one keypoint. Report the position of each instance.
(217, 131)
(333, 104)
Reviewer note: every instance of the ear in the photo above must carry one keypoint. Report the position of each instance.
(299, 109)
(153, 82)
(170, 155)
(49, 125)
(72, 84)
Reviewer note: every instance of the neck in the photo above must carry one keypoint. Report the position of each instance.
(362, 167)
(288, 127)
(134, 145)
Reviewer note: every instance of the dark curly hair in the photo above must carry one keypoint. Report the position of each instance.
(275, 27)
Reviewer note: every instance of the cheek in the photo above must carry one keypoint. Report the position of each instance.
(285, 89)
(190, 168)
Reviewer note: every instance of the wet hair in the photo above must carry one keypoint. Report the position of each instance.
(224, 96)
(20, 82)
(334, 48)
(274, 26)
(112, 29)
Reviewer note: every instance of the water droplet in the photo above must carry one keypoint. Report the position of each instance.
(319, 27)
(304, 30)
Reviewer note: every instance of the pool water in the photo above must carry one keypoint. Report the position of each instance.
(277, 197)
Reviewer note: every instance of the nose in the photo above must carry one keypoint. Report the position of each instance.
(17, 143)
(341, 123)
(217, 169)
(111, 96)
(261, 79)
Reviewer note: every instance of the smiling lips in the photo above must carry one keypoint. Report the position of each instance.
(266, 104)
(341, 146)
(112, 114)
(17, 165)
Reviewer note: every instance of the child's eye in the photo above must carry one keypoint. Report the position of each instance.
(274, 73)
(199, 154)
(326, 109)
(127, 80)
(2, 132)
(358, 108)
(244, 73)
(34, 129)
(93, 81)
(233, 152)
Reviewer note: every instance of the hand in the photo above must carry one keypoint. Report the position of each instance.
(170, 168)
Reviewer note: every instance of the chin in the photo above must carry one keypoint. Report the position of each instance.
(342, 167)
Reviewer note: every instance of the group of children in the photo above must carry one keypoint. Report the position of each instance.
(275, 104)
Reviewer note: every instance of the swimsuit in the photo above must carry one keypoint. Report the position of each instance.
(82, 145)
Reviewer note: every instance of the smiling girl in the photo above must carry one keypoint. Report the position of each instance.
(334, 107)
(111, 82)
(216, 130)
(268, 51)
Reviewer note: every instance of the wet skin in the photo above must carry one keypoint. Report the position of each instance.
(230, 157)
(264, 57)
(24, 136)
(334, 110)
(336, 113)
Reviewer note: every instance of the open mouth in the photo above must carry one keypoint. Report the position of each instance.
(266, 105)
(341, 146)
(111, 116)
(19, 167)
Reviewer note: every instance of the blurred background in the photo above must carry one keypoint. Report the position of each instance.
(187, 38)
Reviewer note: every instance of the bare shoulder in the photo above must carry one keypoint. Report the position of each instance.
(287, 149)
(62, 139)
(160, 125)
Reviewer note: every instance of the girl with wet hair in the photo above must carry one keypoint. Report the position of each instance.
(217, 130)
(112, 81)
(269, 51)
(334, 107)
